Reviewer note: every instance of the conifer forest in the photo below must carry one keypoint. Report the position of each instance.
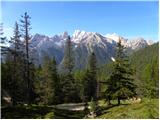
(125, 85)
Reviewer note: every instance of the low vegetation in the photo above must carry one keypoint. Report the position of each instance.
(147, 109)
(39, 112)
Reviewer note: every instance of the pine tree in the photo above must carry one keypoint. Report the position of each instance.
(15, 41)
(56, 82)
(25, 21)
(14, 64)
(3, 42)
(68, 82)
(121, 84)
(90, 81)
(92, 67)
(85, 86)
(68, 59)
(48, 82)
(86, 95)
(38, 84)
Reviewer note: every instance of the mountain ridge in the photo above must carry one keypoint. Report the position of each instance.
(83, 44)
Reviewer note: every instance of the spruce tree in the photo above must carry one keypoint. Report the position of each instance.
(68, 60)
(91, 81)
(48, 82)
(121, 84)
(86, 95)
(68, 82)
(3, 42)
(25, 24)
(14, 64)
(56, 81)
(92, 67)
(15, 43)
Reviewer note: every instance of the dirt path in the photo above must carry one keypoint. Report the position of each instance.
(71, 106)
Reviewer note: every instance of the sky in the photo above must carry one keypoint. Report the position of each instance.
(129, 19)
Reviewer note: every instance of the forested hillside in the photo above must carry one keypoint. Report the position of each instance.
(145, 64)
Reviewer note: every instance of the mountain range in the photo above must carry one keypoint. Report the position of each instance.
(83, 44)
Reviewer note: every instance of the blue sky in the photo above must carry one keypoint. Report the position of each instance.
(128, 19)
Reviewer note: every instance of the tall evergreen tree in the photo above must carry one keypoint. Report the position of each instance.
(56, 82)
(14, 64)
(68, 82)
(86, 95)
(3, 42)
(25, 21)
(121, 84)
(48, 83)
(89, 83)
(68, 60)
(92, 67)
(15, 41)
(69, 90)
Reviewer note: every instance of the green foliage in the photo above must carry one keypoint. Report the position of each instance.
(48, 83)
(120, 85)
(145, 62)
(92, 68)
(13, 70)
(86, 90)
(146, 71)
(68, 60)
(3, 42)
(25, 29)
(86, 80)
(69, 90)
(79, 82)
(93, 106)
(49, 115)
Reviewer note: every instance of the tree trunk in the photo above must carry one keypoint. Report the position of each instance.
(119, 101)
(109, 101)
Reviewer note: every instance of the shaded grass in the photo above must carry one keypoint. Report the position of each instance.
(25, 112)
(39, 112)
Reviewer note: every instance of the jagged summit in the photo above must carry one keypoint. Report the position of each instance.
(84, 43)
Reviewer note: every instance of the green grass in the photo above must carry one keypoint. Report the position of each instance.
(147, 109)
(144, 110)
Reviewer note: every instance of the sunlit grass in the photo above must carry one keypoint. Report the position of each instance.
(144, 110)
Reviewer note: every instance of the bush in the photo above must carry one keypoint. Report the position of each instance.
(49, 115)
(93, 105)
